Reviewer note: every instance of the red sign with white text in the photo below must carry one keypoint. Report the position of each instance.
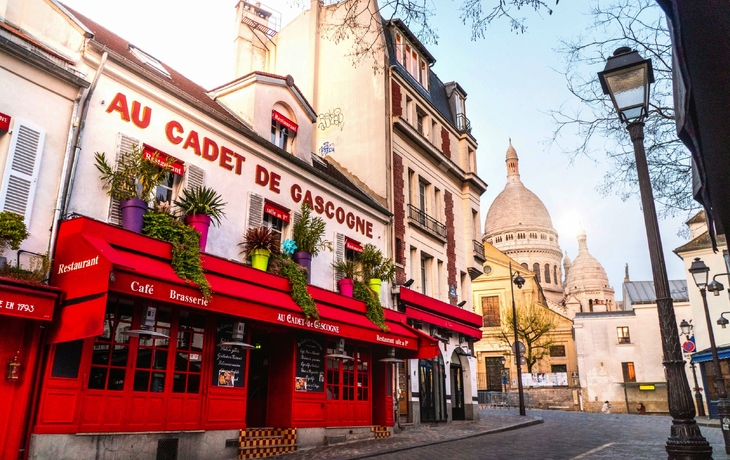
(161, 158)
(26, 305)
(353, 245)
(4, 123)
(276, 211)
(284, 121)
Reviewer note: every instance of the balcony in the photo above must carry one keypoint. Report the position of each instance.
(462, 123)
(479, 251)
(426, 222)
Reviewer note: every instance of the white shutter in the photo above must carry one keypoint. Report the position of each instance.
(194, 177)
(255, 210)
(21, 169)
(339, 253)
(124, 144)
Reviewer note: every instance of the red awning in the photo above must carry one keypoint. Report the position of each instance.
(278, 211)
(284, 121)
(161, 158)
(433, 311)
(27, 301)
(94, 259)
(352, 245)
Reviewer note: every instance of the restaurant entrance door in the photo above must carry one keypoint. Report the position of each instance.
(258, 379)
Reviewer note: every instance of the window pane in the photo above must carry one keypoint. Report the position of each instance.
(116, 379)
(97, 378)
(178, 383)
(181, 361)
(144, 358)
(67, 359)
(193, 383)
(141, 380)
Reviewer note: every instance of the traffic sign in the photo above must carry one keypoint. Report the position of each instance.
(688, 346)
(522, 348)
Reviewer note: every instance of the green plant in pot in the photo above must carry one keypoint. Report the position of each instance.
(131, 181)
(259, 244)
(282, 264)
(349, 270)
(376, 268)
(308, 233)
(202, 207)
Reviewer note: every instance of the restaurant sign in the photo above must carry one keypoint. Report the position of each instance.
(27, 305)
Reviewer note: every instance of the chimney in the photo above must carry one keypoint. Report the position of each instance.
(256, 24)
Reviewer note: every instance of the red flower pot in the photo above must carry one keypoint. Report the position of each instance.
(347, 286)
(201, 223)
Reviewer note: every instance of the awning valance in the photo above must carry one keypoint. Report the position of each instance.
(706, 354)
(23, 300)
(421, 307)
(107, 259)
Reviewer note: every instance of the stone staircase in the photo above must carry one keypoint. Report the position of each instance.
(266, 442)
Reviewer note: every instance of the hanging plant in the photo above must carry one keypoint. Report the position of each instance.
(298, 283)
(185, 242)
(375, 311)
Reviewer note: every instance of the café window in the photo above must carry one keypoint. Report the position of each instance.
(348, 379)
(352, 249)
(276, 218)
(167, 191)
(111, 349)
(283, 130)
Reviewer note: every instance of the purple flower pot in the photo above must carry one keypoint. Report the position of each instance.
(201, 223)
(347, 286)
(133, 211)
(304, 259)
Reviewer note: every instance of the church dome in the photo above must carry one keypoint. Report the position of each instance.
(516, 207)
(585, 272)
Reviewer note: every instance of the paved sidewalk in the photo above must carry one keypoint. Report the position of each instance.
(495, 422)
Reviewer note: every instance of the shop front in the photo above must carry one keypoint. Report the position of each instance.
(25, 310)
(137, 350)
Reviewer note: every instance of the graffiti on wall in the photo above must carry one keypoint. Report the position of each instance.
(334, 117)
(326, 148)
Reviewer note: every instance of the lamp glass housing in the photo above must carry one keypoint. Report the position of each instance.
(700, 272)
(685, 327)
(629, 89)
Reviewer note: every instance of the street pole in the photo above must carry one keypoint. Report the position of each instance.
(723, 406)
(698, 393)
(686, 441)
(517, 342)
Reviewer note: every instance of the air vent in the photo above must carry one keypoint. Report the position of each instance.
(167, 449)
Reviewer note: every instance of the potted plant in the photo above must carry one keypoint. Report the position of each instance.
(376, 268)
(260, 244)
(308, 233)
(201, 206)
(349, 269)
(132, 181)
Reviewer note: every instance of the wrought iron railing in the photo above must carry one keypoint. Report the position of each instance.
(462, 123)
(479, 250)
(426, 222)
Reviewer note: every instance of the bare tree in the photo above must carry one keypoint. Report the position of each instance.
(360, 20)
(534, 326)
(640, 25)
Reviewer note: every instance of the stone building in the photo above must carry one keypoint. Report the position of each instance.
(586, 283)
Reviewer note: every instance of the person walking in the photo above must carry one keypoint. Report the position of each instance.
(606, 408)
(641, 409)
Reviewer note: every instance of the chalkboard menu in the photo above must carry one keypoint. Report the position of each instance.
(310, 365)
(229, 363)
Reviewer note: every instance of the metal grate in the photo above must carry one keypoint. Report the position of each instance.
(426, 222)
(167, 449)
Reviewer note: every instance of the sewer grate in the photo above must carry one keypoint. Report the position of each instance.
(167, 449)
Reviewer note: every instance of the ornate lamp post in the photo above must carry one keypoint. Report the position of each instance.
(519, 281)
(687, 328)
(700, 272)
(626, 78)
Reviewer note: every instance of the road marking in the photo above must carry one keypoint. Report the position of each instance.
(584, 455)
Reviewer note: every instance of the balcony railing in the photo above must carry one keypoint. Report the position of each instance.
(479, 251)
(462, 123)
(426, 222)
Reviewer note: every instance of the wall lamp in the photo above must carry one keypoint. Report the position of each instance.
(408, 283)
(461, 304)
(723, 322)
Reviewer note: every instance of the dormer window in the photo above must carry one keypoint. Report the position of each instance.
(411, 60)
(282, 130)
(149, 60)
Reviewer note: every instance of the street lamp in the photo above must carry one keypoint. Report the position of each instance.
(519, 281)
(687, 329)
(700, 272)
(627, 78)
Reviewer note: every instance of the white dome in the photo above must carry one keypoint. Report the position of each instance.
(586, 272)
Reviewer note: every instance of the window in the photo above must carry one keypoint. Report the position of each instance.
(439, 280)
(434, 133)
(498, 239)
(543, 236)
(275, 224)
(422, 196)
(555, 274)
(409, 109)
(547, 274)
(533, 235)
(524, 265)
(279, 135)
(423, 74)
(509, 236)
(472, 160)
(67, 359)
(623, 333)
(420, 120)
(164, 191)
(490, 311)
(629, 372)
(520, 236)
(151, 364)
(345, 376)
(556, 368)
(536, 269)
(111, 348)
(557, 351)
(149, 60)
(424, 275)
(189, 353)
(399, 48)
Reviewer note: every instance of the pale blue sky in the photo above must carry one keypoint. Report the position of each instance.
(511, 86)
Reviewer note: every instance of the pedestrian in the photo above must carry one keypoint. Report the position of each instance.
(606, 408)
(641, 409)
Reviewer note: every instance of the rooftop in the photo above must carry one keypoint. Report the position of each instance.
(642, 292)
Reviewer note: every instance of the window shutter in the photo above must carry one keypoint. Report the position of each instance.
(339, 252)
(255, 210)
(21, 170)
(194, 177)
(124, 144)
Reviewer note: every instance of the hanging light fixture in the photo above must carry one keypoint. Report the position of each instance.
(13, 372)
(237, 335)
(340, 351)
(146, 331)
(391, 357)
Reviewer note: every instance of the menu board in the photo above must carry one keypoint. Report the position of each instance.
(310, 365)
(229, 363)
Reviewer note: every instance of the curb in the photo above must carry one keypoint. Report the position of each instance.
(535, 421)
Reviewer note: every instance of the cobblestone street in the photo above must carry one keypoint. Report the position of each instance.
(545, 435)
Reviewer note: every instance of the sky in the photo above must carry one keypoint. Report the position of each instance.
(511, 81)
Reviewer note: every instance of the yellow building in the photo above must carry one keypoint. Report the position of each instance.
(493, 301)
